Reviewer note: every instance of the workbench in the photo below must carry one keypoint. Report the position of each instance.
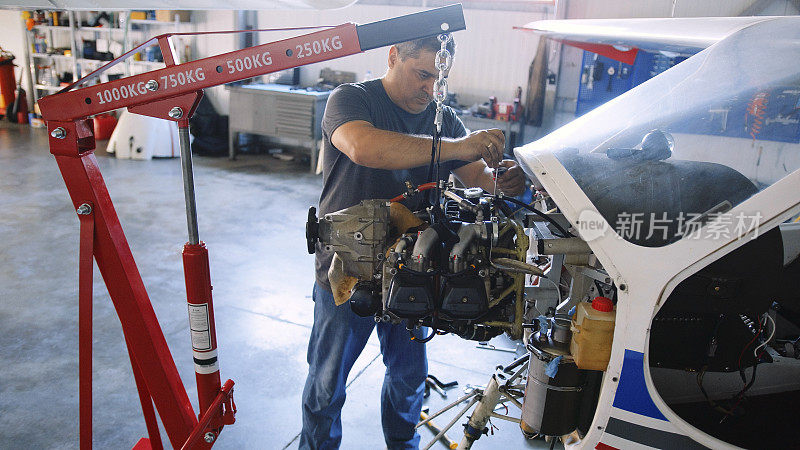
(277, 111)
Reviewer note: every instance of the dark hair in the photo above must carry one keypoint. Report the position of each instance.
(411, 49)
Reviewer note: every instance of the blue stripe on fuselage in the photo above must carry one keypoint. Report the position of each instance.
(632, 394)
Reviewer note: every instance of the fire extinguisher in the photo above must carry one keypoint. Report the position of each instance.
(7, 81)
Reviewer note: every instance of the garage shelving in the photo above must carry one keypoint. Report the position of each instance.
(43, 65)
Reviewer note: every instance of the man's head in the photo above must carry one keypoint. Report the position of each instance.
(412, 72)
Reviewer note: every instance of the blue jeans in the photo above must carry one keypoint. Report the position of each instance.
(337, 338)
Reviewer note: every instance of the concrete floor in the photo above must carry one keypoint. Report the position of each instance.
(251, 215)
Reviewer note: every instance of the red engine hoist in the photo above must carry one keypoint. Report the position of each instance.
(172, 93)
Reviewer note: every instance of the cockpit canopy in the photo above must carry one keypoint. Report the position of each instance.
(671, 158)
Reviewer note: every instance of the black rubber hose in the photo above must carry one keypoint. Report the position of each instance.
(564, 233)
(433, 157)
(423, 340)
(505, 209)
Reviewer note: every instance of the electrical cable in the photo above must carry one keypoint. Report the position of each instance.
(433, 200)
(433, 154)
(558, 289)
(739, 397)
(438, 169)
(758, 333)
(701, 374)
(763, 344)
(716, 406)
(564, 233)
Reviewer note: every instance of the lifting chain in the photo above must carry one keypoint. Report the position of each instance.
(443, 61)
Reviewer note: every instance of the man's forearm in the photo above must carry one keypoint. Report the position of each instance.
(381, 149)
(368, 146)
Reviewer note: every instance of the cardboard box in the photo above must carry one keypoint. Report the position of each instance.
(138, 15)
(168, 15)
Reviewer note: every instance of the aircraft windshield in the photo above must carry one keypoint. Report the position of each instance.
(669, 159)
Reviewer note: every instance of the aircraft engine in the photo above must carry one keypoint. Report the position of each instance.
(462, 274)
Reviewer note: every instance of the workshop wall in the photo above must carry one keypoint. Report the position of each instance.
(210, 45)
(12, 38)
(491, 57)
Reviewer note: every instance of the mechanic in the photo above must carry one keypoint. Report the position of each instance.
(377, 135)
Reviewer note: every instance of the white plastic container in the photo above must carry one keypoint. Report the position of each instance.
(593, 334)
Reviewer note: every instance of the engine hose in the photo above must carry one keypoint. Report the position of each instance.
(423, 340)
(512, 265)
(505, 209)
(422, 187)
(436, 153)
(478, 333)
(564, 233)
(433, 153)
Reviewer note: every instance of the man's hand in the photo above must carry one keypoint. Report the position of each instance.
(482, 144)
(476, 174)
(512, 182)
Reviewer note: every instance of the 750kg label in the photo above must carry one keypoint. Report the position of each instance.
(168, 81)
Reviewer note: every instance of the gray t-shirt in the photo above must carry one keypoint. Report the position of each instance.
(346, 183)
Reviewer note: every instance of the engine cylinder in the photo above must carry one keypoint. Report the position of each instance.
(410, 295)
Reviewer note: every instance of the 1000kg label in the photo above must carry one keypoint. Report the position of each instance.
(172, 80)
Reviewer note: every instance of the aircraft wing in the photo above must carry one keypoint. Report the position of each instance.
(174, 4)
(619, 38)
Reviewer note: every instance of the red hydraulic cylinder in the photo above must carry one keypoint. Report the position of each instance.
(198, 295)
(201, 325)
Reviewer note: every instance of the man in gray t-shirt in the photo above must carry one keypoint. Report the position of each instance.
(377, 135)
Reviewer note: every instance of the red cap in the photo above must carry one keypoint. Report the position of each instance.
(603, 304)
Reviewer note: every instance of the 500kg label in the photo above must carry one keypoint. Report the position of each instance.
(249, 62)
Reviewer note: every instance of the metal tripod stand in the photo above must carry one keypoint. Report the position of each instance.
(505, 386)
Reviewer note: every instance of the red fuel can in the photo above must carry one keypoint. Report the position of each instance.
(103, 126)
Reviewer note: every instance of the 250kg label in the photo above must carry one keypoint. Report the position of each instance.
(131, 90)
(318, 47)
